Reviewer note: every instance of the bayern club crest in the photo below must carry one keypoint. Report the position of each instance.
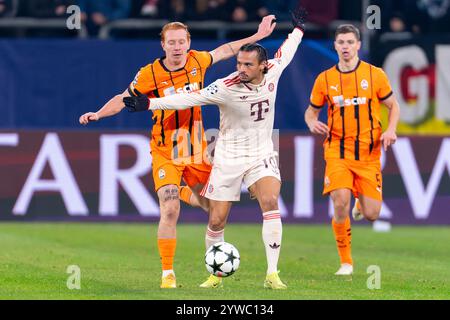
(271, 87)
(210, 188)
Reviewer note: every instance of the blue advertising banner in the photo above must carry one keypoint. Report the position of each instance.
(48, 84)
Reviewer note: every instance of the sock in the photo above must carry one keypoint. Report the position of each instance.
(343, 235)
(212, 237)
(165, 273)
(167, 252)
(272, 231)
(185, 194)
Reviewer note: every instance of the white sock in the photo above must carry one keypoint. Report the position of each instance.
(212, 237)
(165, 273)
(272, 231)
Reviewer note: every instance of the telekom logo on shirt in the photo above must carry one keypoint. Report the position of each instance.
(262, 106)
(339, 101)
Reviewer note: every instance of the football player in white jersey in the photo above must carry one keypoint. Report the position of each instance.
(244, 150)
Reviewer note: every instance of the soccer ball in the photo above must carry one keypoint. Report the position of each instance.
(222, 259)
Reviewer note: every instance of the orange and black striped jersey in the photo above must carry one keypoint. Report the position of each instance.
(172, 128)
(353, 100)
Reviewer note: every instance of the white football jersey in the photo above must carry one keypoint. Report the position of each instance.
(247, 111)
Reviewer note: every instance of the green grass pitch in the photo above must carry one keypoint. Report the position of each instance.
(120, 261)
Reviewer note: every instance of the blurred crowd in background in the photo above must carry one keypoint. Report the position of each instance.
(399, 16)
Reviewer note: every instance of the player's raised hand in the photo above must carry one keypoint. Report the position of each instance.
(88, 117)
(138, 103)
(267, 26)
(388, 138)
(299, 17)
(318, 127)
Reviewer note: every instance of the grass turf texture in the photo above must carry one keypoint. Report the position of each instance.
(121, 261)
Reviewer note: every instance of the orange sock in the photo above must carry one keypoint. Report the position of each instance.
(185, 194)
(343, 235)
(167, 252)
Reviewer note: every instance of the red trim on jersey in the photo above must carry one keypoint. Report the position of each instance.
(226, 81)
(279, 52)
(202, 193)
(247, 87)
(233, 83)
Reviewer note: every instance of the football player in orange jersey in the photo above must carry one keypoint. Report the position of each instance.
(178, 141)
(353, 90)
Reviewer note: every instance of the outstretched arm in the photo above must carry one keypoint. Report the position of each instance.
(181, 101)
(112, 107)
(230, 49)
(286, 52)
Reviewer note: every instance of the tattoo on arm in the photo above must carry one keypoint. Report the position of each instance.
(231, 48)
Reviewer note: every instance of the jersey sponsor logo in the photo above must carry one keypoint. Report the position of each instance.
(169, 91)
(212, 89)
(364, 84)
(161, 174)
(339, 101)
(271, 87)
(189, 87)
(261, 107)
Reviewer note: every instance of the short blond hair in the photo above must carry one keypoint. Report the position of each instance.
(174, 26)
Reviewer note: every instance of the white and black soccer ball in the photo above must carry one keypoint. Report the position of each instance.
(222, 259)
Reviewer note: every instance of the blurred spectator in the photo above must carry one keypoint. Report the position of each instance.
(175, 10)
(420, 16)
(320, 11)
(96, 13)
(397, 23)
(213, 9)
(350, 10)
(8, 8)
(430, 15)
(150, 8)
(47, 8)
(398, 28)
(247, 10)
(281, 8)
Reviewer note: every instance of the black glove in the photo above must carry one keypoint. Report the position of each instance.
(299, 16)
(137, 103)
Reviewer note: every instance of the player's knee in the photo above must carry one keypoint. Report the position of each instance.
(372, 214)
(341, 207)
(170, 211)
(269, 202)
(216, 223)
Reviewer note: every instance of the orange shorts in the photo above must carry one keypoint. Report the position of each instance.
(167, 171)
(361, 177)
